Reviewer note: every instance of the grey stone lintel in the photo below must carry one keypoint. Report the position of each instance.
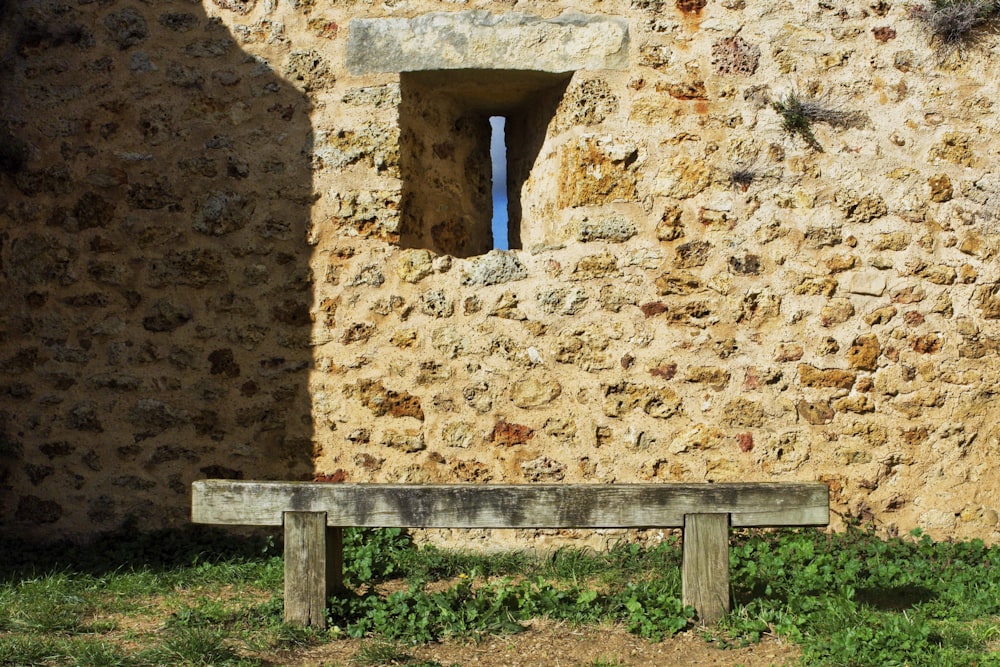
(481, 40)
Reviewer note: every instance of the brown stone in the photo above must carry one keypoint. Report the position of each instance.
(686, 90)
(414, 265)
(585, 347)
(595, 266)
(836, 311)
(821, 286)
(864, 352)
(954, 147)
(506, 434)
(860, 208)
(832, 378)
(357, 333)
(748, 265)
(713, 376)
(472, 471)
(941, 189)
(940, 274)
(693, 254)
(596, 170)
(670, 227)
(883, 33)
(987, 299)
(839, 263)
(742, 412)
(624, 397)
(653, 308)
(815, 413)
(927, 344)
(859, 404)
(664, 371)
(32, 509)
(880, 316)
(828, 345)
(677, 283)
(382, 401)
(789, 352)
(891, 241)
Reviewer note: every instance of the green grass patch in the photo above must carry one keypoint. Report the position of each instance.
(846, 598)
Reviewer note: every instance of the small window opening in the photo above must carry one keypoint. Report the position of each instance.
(498, 158)
(468, 140)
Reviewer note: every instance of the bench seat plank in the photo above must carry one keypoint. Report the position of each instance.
(511, 506)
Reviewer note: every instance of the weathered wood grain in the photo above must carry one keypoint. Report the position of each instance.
(510, 506)
(705, 565)
(306, 562)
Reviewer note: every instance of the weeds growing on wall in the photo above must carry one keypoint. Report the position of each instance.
(798, 113)
(954, 24)
(846, 599)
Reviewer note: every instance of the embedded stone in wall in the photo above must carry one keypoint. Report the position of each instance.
(864, 352)
(987, 299)
(532, 391)
(585, 347)
(407, 443)
(562, 300)
(223, 213)
(597, 170)
(832, 378)
(683, 178)
(481, 40)
(414, 265)
(506, 434)
(494, 268)
(166, 316)
(622, 397)
(836, 311)
(816, 413)
(309, 70)
(382, 401)
(595, 266)
(543, 469)
(615, 229)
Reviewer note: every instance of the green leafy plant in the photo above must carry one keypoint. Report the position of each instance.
(849, 598)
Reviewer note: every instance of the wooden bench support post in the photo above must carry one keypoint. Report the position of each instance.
(705, 565)
(313, 567)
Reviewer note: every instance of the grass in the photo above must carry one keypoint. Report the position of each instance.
(205, 598)
(957, 24)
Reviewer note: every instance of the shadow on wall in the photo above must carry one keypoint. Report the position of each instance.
(154, 270)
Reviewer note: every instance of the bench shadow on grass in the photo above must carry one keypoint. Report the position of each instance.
(131, 549)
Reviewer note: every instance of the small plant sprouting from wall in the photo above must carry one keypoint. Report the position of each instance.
(954, 24)
(798, 112)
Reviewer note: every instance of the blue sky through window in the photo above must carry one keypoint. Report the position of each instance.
(498, 155)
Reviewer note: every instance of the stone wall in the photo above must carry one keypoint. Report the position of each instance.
(237, 242)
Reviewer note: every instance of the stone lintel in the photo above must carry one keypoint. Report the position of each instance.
(481, 40)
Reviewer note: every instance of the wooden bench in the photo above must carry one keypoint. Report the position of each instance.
(313, 515)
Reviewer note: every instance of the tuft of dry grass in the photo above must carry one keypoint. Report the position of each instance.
(955, 24)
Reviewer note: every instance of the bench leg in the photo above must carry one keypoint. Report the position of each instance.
(313, 567)
(705, 565)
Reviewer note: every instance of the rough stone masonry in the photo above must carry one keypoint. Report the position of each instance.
(251, 239)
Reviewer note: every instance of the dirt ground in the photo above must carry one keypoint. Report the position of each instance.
(552, 644)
